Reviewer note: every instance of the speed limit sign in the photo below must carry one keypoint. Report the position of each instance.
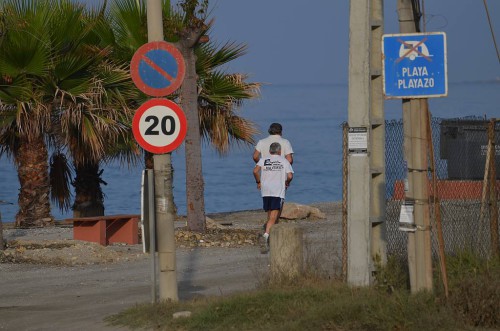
(159, 126)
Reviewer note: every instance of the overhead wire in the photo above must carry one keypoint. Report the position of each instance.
(423, 15)
(491, 29)
(417, 14)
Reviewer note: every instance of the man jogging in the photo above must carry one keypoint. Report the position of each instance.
(275, 136)
(273, 175)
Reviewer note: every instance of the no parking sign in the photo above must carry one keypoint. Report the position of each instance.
(157, 68)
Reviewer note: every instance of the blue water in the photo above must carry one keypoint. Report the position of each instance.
(311, 117)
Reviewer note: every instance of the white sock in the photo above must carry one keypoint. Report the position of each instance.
(266, 235)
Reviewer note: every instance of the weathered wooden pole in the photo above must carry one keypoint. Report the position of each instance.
(495, 248)
(415, 148)
(287, 256)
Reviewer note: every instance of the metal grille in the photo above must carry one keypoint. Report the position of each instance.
(460, 147)
(467, 213)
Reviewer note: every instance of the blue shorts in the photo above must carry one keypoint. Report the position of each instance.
(272, 203)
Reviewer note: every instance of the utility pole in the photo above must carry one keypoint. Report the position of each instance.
(415, 151)
(366, 163)
(163, 187)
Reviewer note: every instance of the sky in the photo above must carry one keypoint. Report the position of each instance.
(297, 41)
(307, 41)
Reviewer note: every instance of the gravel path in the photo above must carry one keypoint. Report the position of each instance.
(78, 297)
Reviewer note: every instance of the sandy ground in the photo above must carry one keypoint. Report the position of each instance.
(45, 296)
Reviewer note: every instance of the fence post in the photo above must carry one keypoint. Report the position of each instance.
(287, 256)
(495, 249)
(437, 204)
(345, 173)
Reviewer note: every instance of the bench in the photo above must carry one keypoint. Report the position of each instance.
(106, 230)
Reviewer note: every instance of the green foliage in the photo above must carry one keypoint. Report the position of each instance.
(393, 275)
(59, 81)
(467, 264)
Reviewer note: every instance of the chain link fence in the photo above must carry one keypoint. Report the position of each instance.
(464, 197)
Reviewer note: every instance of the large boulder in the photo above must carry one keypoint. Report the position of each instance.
(294, 211)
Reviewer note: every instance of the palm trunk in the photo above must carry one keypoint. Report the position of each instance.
(89, 198)
(33, 172)
(195, 186)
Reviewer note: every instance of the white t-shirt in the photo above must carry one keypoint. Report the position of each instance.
(264, 144)
(273, 173)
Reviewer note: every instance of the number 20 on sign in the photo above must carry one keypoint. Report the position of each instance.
(159, 126)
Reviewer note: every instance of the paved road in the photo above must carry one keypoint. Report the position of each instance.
(40, 297)
(34, 297)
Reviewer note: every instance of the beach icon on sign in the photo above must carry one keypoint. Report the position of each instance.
(412, 49)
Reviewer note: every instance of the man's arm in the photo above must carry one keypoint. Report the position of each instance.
(256, 175)
(256, 156)
(289, 157)
(289, 177)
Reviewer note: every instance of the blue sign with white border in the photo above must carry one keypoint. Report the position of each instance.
(414, 65)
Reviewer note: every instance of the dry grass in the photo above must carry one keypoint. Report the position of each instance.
(319, 301)
(308, 306)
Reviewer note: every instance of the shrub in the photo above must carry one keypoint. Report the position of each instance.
(393, 275)
(475, 289)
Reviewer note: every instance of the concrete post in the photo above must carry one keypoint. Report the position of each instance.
(163, 187)
(366, 174)
(377, 136)
(359, 262)
(286, 252)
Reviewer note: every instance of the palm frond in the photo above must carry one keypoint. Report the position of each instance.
(211, 55)
(129, 26)
(60, 181)
(222, 129)
(223, 89)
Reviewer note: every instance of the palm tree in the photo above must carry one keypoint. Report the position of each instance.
(220, 94)
(97, 130)
(53, 80)
(214, 116)
(25, 68)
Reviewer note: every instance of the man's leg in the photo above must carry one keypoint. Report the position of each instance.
(272, 205)
(272, 218)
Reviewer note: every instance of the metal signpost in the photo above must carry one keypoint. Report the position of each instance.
(159, 126)
(414, 65)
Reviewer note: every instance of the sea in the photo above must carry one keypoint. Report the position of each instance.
(311, 116)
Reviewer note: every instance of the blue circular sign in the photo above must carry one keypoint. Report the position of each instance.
(157, 68)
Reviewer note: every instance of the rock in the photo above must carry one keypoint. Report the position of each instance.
(180, 314)
(294, 211)
(211, 224)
